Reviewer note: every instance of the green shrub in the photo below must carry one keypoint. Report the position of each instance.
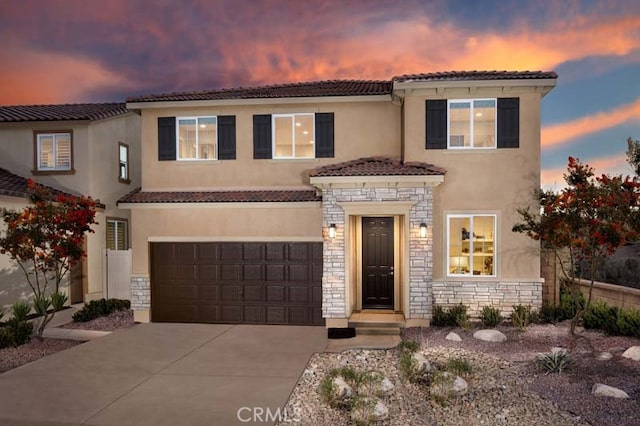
(629, 322)
(99, 308)
(521, 317)
(408, 346)
(458, 366)
(554, 361)
(571, 301)
(601, 316)
(490, 316)
(20, 311)
(408, 367)
(451, 317)
(550, 314)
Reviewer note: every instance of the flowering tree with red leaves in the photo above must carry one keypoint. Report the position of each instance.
(45, 239)
(588, 219)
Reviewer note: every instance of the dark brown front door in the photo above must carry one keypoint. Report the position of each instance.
(377, 263)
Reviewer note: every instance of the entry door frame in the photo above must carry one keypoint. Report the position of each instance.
(398, 265)
(381, 287)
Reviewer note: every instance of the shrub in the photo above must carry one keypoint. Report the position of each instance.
(454, 316)
(571, 301)
(408, 346)
(550, 314)
(601, 316)
(458, 366)
(554, 361)
(521, 317)
(441, 387)
(490, 316)
(628, 322)
(20, 311)
(408, 367)
(99, 308)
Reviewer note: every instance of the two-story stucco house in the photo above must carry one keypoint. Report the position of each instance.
(313, 203)
(88, 149)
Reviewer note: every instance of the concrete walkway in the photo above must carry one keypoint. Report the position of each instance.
(163, 374)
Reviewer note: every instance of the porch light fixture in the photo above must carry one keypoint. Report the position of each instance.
(423, 230)
(332, 230)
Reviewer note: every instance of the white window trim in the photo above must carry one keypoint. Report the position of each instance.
(197, 117)
(55, 152)
(126, 163)
(293, 133)
(115, 231)
(471, 115)
(470, 216)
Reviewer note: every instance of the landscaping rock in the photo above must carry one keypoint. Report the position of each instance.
(368, 410)
(604, 356)
(454, 337)
(446, 385)
(386, 387)
(609, 391)
(632, 353)
(343, 390)
(460, 385)
(489, 336)
(423, 365)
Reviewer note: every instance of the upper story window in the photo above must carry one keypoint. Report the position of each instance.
(293, 136)
(472, 123)
(123, 157)
(197, 138)
(290, 136)
(471, 244)
(53, 152)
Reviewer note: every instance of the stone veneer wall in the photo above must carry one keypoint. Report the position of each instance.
(476, 294)
(140, 292)
(420, 249)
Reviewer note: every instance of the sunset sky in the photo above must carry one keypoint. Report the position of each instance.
(98, 51)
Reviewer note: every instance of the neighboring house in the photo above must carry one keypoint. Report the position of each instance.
(88, 149)
(309, 203)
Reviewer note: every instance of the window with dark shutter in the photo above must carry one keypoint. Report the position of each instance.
(436, 122)
(262, 136)
(324, 135)
(166, 138)
(226, 137)
(508, 122)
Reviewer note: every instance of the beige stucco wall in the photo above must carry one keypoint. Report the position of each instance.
(483, 181)
(362, 129)
(295, 221)
(95, 160)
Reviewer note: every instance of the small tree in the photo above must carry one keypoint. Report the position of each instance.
(588, 219)
(633, 155)
(45, 240)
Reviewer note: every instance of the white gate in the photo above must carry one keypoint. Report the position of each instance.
(117, 274)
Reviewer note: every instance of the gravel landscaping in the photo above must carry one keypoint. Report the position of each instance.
(505, 387)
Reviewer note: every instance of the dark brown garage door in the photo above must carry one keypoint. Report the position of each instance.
(252, 283)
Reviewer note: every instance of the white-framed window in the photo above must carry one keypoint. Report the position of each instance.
(471, 123)
(471, 244)
(197, 138)
(117, 234)
(123, 160)
(53, 152)
(293, 135)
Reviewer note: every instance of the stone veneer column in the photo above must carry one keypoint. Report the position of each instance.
(420, 255)
(140, 292)
(333, 259)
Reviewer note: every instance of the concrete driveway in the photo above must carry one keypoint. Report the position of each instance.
(163, 374)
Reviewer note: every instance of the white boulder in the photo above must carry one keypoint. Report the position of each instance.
(609, 391)
(422, 364)
(632, 353)
(369, 410)
(454, 337)
(342, 389)
(490, 336)
(604, 356)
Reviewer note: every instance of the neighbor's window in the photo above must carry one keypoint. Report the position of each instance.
(117, 234)
(471, 244)
(123, 155)
(472, 123)
(197, 138)
(53, 151)
(293, 135)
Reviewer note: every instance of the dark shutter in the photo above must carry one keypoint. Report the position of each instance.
(262, 136)
(436, 121)
(166, 138)
(226, 137)
(508, 122)
(324, 135)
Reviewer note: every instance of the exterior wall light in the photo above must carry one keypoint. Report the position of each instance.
(332, 230)
(423, 230)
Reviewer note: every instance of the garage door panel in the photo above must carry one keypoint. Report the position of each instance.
(233, 282)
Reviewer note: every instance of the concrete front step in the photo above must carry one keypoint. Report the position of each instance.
(378, 331)
(376, 324)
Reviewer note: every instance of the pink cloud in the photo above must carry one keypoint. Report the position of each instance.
(611, 165)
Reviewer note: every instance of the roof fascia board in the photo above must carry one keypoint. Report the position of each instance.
(376, 181)
(229, 205)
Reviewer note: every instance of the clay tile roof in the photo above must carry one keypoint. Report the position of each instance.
(476, 75)
(271, 196)
(377, 166)
(65, 112)
(16, 186)
(291, 90)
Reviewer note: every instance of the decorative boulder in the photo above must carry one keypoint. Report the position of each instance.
(609, 391)
(604, 356)
(632, 353)
(422, 365)
(343, 390)
(489, 336)
(454, 337)
(386, 387)
(369, 410)
(460, 385)
(445, 385)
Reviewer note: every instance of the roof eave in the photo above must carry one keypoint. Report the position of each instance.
(545, 84)
(399, 181)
